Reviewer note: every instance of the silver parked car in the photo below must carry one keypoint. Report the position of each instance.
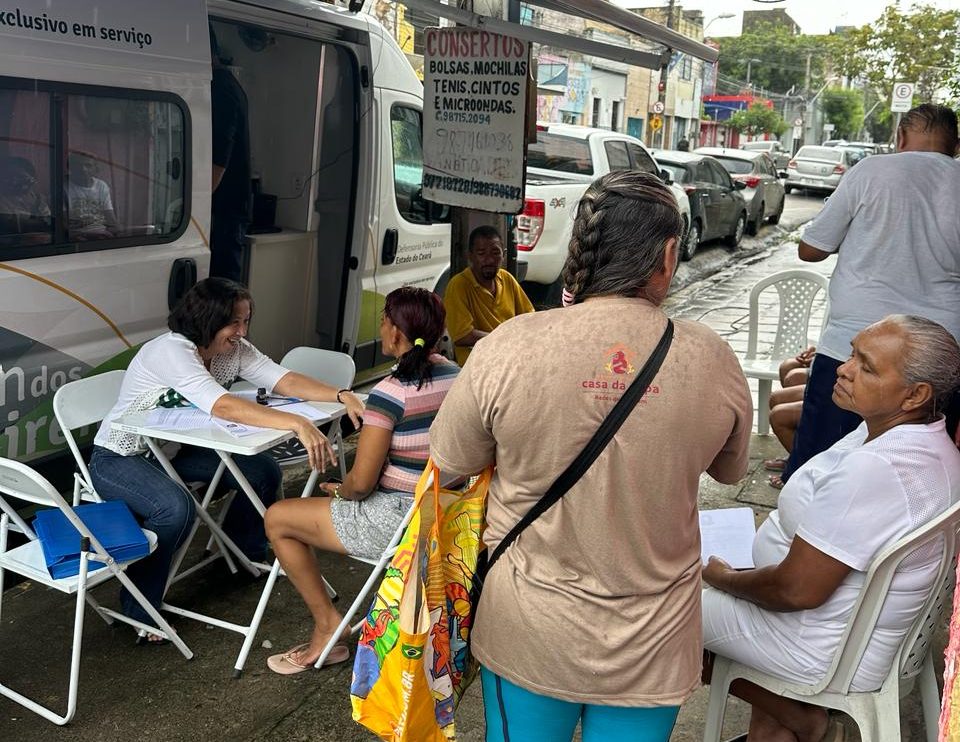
(818, 168)
(775, 151)
(764, 193)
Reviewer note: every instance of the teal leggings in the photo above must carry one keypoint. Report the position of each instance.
(517, 715)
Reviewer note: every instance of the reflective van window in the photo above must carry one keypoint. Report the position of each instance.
(122, 156)
(25, 154)
(81, 170)
(406, 127)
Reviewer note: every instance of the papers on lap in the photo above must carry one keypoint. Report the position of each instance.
(728, 533)
(190, 418)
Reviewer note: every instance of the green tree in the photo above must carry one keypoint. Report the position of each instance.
(919, 45)
(758, 119)
(782, 58)
(844, 109)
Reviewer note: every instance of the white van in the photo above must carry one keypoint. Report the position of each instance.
(124, 87)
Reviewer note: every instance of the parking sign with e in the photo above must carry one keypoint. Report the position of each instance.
(902, 98)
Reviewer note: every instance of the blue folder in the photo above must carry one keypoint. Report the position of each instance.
(111, 522)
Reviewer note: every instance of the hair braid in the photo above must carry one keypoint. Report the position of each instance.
(587, 233)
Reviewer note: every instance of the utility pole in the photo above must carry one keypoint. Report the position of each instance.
(662, 86)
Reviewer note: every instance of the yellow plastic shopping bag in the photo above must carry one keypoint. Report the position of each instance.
(412, 664)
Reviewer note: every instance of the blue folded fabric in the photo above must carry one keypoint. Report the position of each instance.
(111, 522)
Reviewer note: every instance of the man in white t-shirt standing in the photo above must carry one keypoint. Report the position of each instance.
(89, 206)
(893, 225)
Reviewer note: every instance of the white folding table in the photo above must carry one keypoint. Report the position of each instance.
(226, 446)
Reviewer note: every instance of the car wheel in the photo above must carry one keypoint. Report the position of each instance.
(692, 242)
(787, 189)
(733, 239)
(754, 226)
(775, 218)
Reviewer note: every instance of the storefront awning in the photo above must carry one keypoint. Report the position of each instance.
(595, 10)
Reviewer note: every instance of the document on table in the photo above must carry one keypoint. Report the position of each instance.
(286, 404)
(179, 418)
(728, 533)
(191, 418)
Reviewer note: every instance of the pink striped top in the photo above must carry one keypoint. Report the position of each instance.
(400, 407)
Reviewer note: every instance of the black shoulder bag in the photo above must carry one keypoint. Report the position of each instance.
(578, 467)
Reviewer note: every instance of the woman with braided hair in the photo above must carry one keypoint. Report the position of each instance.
(592, 615)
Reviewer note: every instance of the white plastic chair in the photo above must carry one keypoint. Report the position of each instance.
(877, 713)
(333, 368)
(797, 290)
(18, 481)
(87, 401)
(80, 403)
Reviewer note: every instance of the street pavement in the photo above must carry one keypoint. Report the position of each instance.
(132, 693)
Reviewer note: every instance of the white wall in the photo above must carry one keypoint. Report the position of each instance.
(608, 86)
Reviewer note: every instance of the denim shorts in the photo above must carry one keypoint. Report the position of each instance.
(366, 526)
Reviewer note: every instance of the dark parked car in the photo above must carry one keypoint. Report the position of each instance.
(717, 208)
(764, 193)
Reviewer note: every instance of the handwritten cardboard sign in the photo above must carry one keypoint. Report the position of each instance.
(475, 89)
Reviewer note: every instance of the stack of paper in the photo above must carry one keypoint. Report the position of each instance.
(728, 533)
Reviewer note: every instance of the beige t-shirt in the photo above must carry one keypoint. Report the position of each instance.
(598, 601)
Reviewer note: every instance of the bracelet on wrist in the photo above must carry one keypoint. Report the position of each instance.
(336, 492)
(339, 392)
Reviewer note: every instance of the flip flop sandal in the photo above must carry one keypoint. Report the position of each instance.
(775, 481)
(149, 639)
(285, 664)
(774, 464)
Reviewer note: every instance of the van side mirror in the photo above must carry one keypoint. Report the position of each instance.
(739, 185)
(665, 177)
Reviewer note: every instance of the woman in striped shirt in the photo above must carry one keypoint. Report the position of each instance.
(362, 513)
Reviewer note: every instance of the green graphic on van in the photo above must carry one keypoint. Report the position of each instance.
(32, 373)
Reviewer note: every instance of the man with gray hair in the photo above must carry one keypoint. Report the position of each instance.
(893, 225)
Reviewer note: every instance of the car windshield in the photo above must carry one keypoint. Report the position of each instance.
(735, 167)
(678, 173)
(557, 152)
(754, 146)
(829, 154)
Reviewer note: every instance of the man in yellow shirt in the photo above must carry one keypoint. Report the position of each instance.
(482, 296)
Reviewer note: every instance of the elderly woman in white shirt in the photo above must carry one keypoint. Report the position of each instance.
(195, 363)
(895, 472)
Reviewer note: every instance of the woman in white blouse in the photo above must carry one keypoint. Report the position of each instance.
(195, 363)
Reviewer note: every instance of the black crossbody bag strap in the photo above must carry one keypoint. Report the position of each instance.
(578, 467)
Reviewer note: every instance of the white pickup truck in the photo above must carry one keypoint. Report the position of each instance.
(560, 166)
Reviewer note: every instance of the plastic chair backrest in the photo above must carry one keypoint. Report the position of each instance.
(797, 290)
(329, 366)
(85, 402)
(863, 619)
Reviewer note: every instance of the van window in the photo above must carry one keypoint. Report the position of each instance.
(25, 158)
(406, 127)
(84, 170)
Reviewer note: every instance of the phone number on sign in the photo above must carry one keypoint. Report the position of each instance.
(459, 117)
